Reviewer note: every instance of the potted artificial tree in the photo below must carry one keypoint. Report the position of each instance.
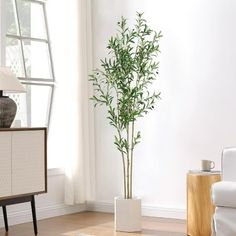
(123, 86)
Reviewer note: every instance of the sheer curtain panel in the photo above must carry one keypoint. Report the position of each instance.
(79, 168)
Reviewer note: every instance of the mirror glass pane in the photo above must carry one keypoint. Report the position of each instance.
(11, 20)
(14, 56)
(37, 59)
(31, 17)
(32, 106)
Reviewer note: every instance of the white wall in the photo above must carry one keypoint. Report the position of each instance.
(195, 118)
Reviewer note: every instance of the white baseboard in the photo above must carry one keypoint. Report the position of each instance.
(24, 216)
(154, 211)
(107, 207)
(164, 212)
(58, 210)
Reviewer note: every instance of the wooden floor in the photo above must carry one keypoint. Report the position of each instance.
(95, 224)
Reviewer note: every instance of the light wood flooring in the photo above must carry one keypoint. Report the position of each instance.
(95, 224)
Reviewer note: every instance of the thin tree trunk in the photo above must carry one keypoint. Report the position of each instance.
(124, 176)
(131, 160)
(128, 163)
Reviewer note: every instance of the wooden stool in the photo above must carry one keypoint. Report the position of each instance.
(199, 205)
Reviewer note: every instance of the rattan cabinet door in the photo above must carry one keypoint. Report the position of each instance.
(28, 162)
(5, 164)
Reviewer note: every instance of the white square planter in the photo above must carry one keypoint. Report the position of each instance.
(128, 214)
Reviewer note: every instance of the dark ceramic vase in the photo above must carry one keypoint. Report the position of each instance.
(7, 111)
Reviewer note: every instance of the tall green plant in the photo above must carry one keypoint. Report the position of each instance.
(123, 86)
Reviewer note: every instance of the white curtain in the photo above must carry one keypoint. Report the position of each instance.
(79, 168)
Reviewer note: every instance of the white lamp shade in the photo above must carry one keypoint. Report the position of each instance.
(9, 82)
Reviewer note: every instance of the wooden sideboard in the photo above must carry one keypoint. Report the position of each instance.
(23, 167)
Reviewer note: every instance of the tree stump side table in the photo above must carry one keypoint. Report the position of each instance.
(199, 204)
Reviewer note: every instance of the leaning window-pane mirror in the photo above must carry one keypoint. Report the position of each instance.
(14, 56)
(33, 106)
(27, 53)
(37, 59)
(31, 18)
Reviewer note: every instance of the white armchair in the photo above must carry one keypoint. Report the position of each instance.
(224, 196)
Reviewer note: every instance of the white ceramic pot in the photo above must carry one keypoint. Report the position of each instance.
(128, 214)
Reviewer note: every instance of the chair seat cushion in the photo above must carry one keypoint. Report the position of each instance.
(224, 194)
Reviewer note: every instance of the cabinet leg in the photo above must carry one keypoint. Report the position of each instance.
(34, 215)
(4, 210)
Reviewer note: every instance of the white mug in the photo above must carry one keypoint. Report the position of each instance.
(207, 165)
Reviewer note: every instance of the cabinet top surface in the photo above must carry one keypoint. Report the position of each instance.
(23, 129)
(199, 172)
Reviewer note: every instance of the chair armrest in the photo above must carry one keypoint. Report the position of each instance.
(229, 164)
(224, 194)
